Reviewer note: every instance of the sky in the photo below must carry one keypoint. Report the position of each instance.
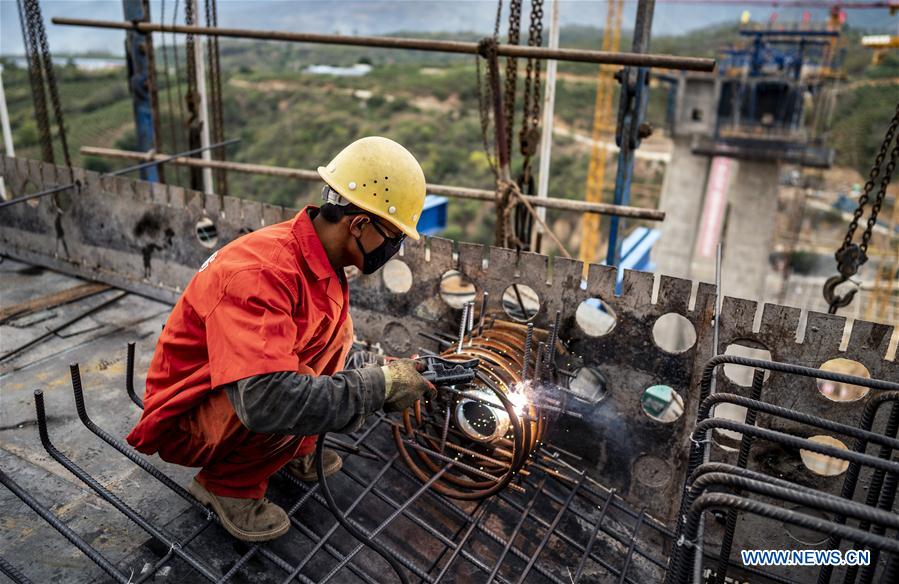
(383, 16)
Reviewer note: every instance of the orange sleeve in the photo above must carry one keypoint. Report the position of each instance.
(251, 331)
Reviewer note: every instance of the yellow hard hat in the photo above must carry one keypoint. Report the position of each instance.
(380, 176)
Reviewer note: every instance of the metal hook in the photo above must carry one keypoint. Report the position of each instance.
(833, 301)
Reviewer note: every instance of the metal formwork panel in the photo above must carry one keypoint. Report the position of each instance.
(144, 240)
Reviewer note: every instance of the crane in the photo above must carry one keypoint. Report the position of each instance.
(602, 113)
(602, 132)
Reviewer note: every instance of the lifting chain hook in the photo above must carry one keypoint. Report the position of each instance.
(833, 301)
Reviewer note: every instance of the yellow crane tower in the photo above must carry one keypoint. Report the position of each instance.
(603, 132)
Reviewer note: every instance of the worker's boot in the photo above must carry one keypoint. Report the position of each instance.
(245, 519)
(303, 468)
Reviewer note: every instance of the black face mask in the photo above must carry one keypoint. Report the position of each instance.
(374, 260)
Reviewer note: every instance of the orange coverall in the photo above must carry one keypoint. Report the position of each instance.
(266, 302)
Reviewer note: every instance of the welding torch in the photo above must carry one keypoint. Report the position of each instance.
(442, 372)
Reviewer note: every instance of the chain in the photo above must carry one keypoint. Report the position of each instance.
(872, 176)
(487, 50)
(511, 81)
(885, 181)
(530, 117)
(153, 91)
(36, 24)
(851, 256)
(193, 98)
(38, 92)
(191, 63)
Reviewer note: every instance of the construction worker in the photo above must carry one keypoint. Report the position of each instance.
(248, 368)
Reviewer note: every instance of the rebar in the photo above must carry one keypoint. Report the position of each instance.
(550, 531)
(112, 499)
(553, 340)
(630, 550)
(571, 500)
(887, 496)
(129, 377)
(521, 519)
(730, 527)
(596, 527)
(538, 364)
(528, 339)
(63, 529)
(13, 573)
(370, 541)
(476, 418)
(700, 439)
(872, 407)
(123, 448)
(721, 500)
(462, 324)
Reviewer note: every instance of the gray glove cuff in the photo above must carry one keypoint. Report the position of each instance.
(376, 381)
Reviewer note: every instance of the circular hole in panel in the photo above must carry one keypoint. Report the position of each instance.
(588, 383)
(843, 392)
(673, 333)
(821, 464)
(480, 417)
(207, 233)
(652, 471)
(728, 439)
(480, 421)
(595, 317)
(29, 188)
(397, 276)
(740, 374)
(521, 302)
(805, 535)
(662, 403)
(456, 289)
(64, 199)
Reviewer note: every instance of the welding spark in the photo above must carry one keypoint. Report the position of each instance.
(518, 398)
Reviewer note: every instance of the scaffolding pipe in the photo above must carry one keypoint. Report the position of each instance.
(546, 136)
(441, 46)
(434, 189)
(7, 133)
(200, 59)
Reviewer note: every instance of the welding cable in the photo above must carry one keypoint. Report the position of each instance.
(341, 518)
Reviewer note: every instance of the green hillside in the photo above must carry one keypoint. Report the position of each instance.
(428, 102)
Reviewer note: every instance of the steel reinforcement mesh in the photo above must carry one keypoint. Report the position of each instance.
(555, 524)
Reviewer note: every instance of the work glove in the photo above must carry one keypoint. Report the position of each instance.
(404, 384)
